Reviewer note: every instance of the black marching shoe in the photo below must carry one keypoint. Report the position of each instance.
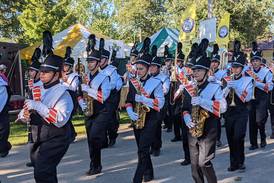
(94, 171)
(185, 162)
(232, 169)
(148, 178)
(156, 153)
(111, 142)
(219, 143)
(241, 168)
(176, 139)
(4, 154)
(29, 164)
(253, 147)
(263, 143)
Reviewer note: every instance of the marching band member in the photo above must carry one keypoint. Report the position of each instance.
(131, 67)
(238, 92)
(146, 94)
(258, 107)
(178, 71)
(5, 94)
(217, 75)
(34, 91)
(271, 101)
(53, 112)
(203, 107)
(69, 78)
(97, 87)
(166, 70)
(114, 98)
(154, 69)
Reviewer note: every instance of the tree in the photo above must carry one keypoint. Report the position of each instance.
(9, 24)
(139, 16)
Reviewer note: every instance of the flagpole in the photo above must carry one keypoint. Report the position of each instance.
(209, 8)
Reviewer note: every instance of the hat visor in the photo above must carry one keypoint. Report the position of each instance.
(142, 62)
(215, 60)
(199, 67)
(236, 64)
(47, 69)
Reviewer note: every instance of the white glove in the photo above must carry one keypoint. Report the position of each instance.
(37, 106)
(188, 121)
(196, 101)
(132, 115)
(139, 98)
(211, 78)
(82, 104)
(85, 87)
(21, 117)
(259, 84)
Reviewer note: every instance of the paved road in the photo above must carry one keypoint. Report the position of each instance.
(120, 162)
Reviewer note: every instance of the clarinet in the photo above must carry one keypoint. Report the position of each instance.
(29, 96)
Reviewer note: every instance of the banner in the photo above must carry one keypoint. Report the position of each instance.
(187, 29)
(207, 29)
(223, 30)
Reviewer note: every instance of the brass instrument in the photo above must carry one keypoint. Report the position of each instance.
(88, 112)
(173, 80)
(141, 110)
(232, 94)
(199, 116)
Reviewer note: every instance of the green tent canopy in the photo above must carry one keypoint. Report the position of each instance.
(165, 36)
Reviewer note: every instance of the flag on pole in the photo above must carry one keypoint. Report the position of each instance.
(188, 22)
(223, 30)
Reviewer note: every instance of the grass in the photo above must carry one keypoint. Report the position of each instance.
(18, 131)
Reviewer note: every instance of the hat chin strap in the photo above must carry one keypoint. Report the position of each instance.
(49, 82)
(204, 78)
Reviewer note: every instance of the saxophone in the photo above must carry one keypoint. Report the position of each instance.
(141, 110)
(199, 116)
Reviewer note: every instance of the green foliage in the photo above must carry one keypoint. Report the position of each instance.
(128, 20)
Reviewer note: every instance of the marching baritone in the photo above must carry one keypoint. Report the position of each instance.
(154, 69)
(258, 113)
(201, 109)
(144, 102)
(5, 94)
(238, 92)
(53, 113)
(98, 88)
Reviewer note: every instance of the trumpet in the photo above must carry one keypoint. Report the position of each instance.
(232, 94)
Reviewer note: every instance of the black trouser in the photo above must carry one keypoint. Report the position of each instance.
(48, 151)
(236, 124)
(112, 130)
(256, 124)
(271, 109)
(219, 130)
(185, 140)
(96, 127)
(167, 115)
(177, 124)
(202, 151)
(144, 139)
(157, 142)
(4, 133)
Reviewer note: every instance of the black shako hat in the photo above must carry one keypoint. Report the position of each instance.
(52, 63)
(94, 56)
